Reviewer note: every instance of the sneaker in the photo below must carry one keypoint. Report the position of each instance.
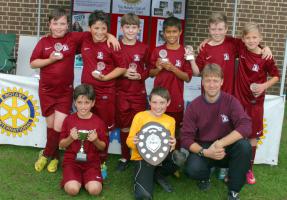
(250, 178)
(53, 165)
(41, 163)
(161, 180)
(177, 174)
(222, 173)
(203, 185)
(178, 158)
(233, 195)
(122, 165)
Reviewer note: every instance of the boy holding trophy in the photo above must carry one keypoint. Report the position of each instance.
(170, 67)
(54, 55)
(147, 172)
(102, 65)
(131, 91)
(83, 136)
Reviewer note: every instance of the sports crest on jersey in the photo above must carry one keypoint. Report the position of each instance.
(100, 55)
(224, 118)
(136, 57)
(226, 56)
(65, 47)
(177, 63)
(255, 68)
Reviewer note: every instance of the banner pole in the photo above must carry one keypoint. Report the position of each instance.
(234, 18)
(283, 76)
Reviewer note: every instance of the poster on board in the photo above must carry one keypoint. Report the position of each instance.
(80, 22)
(167, 8)
(159, 33)
(139, 7)
(91, 5)
(120, 33)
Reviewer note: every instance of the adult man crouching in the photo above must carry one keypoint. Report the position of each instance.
(214, 130)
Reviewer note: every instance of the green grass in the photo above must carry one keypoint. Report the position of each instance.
(19, 180)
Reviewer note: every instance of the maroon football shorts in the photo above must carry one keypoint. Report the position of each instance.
(105, 108)
(255, 112)
(127, 108)
(81, 172)
(50, 102)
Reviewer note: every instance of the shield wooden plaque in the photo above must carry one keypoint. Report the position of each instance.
(153, 143)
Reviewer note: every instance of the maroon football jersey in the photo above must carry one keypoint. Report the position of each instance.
(252, 69)
(137, 57)
(58, 76)
(98, 56)
(94, 123)
(224, 55)
(168, 79)
(208, 122)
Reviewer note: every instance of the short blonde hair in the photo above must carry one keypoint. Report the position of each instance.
(212, 69)
(250, 27)
(218, 17)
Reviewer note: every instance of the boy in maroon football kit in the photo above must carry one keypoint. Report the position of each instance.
(222, 50)
(251, 83)
(170, 68)
(102, 65)
(54, 55)
(131, 91)
(83, 136)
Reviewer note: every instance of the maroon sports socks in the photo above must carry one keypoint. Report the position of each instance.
(52, 145)
(125, 149)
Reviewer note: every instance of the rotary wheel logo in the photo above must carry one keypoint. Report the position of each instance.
(263, 137)
(18, 112)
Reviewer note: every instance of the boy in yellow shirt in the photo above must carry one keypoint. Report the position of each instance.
(145, 173)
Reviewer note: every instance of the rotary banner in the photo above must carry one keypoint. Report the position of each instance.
(268, 145)
(20, 118)
(21, 122)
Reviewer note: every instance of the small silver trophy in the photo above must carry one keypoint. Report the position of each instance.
(133, 67)
(253, 87)
(189, 53)
(163, 55)
(58, 48)
(81, 155)
(100, 67)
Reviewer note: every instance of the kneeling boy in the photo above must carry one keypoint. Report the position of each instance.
(88, 172)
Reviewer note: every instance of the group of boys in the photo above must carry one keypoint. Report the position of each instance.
(114, 89)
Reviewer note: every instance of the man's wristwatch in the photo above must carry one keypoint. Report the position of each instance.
(200, 153)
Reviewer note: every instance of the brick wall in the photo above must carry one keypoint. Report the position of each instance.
(271, 15)
(20, 17)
